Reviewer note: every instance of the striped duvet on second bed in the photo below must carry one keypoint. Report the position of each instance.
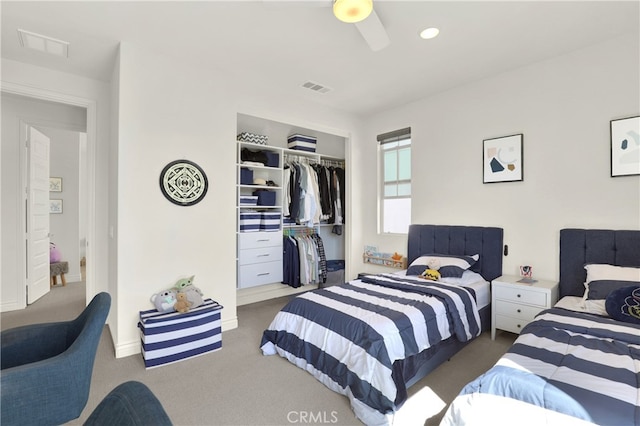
(580, 365)
(349, 336)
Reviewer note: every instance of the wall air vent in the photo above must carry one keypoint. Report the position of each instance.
(316, 87)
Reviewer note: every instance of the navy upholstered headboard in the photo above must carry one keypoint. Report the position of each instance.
(581, 246)
(459, 240)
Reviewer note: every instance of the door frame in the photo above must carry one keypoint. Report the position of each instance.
(91, 130)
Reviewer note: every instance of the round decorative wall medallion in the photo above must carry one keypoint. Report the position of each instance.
(183, 182)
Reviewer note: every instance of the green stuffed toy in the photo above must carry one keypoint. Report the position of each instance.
(193, 293)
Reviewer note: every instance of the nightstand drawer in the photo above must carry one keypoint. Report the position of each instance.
(520, 295)
(514, 325)
(516, 310)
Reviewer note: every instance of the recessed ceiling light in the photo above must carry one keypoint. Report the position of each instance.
(43, 43)
(429, 33)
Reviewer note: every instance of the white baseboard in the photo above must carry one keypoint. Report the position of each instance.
(11, 306)
(128, 349)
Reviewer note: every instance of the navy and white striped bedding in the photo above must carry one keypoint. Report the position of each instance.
(349, 336)
(577, 364)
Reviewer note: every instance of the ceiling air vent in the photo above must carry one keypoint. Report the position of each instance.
(316, 87)
(43, 43)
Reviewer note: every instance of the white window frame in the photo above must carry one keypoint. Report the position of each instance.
(402, 135)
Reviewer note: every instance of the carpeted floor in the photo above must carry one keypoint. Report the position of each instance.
(237, 385)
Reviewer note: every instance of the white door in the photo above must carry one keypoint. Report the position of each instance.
(37, 215)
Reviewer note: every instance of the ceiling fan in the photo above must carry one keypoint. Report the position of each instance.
(357, 12)
(362, 14)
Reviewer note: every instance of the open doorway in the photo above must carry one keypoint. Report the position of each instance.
(66, 126)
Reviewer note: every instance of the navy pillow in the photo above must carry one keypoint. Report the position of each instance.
(600, 289)
(623, 304)
(416, 269)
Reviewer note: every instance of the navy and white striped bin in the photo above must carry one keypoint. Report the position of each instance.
(171, 337)
(302, 143)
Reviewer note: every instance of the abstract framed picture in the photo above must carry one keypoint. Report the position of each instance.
(55, 184)
(625, 146)
(55, 206)
(502, 159)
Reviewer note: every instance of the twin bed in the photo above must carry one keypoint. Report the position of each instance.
(575, 363)
(372, 338)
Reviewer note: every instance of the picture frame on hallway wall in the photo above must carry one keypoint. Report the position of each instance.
(625, 146)
(502, 159)
(55, 184)
(55, 206)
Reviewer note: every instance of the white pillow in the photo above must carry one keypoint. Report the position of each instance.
(468, 277)
(600, 272)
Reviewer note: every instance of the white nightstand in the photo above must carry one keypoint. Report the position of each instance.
(514, 305)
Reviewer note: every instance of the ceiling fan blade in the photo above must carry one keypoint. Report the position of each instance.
(373, 32)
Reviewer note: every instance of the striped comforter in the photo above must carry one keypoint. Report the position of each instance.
(349, 336)
(566, 367)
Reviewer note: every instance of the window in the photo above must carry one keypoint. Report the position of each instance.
(395, 158)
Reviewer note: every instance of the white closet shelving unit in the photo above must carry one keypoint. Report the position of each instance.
(259, 254)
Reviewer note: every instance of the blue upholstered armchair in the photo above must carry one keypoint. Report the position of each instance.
(46, 368)
(130, 404)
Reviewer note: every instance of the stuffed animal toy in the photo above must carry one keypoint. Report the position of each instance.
(164, 301)
(54, 253)
(184, 282)
(430, 274)
(194, 295)
(182, 305)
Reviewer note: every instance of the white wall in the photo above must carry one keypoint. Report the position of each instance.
(38, 113)
(180, 111)
(563, 107)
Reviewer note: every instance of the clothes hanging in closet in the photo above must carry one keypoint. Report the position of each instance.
(304, 260)
(314, 193)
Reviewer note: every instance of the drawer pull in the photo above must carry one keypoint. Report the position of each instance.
(518, 326)
(518, 295)
(266, 239)
(519, 311)
(263, 255)
(267, 273)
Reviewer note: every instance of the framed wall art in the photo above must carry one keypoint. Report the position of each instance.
(502, 159)
(55, 184)
(625, 146)
(55, 206)
(183, 182)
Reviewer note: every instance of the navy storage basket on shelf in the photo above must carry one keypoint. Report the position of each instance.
(273, 159)
(265, 197)
(246, 176)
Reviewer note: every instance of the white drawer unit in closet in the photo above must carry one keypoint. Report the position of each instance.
(259, 258)
(514, 304)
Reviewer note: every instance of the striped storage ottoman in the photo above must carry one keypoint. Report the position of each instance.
(302, 143)
(172, 337)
